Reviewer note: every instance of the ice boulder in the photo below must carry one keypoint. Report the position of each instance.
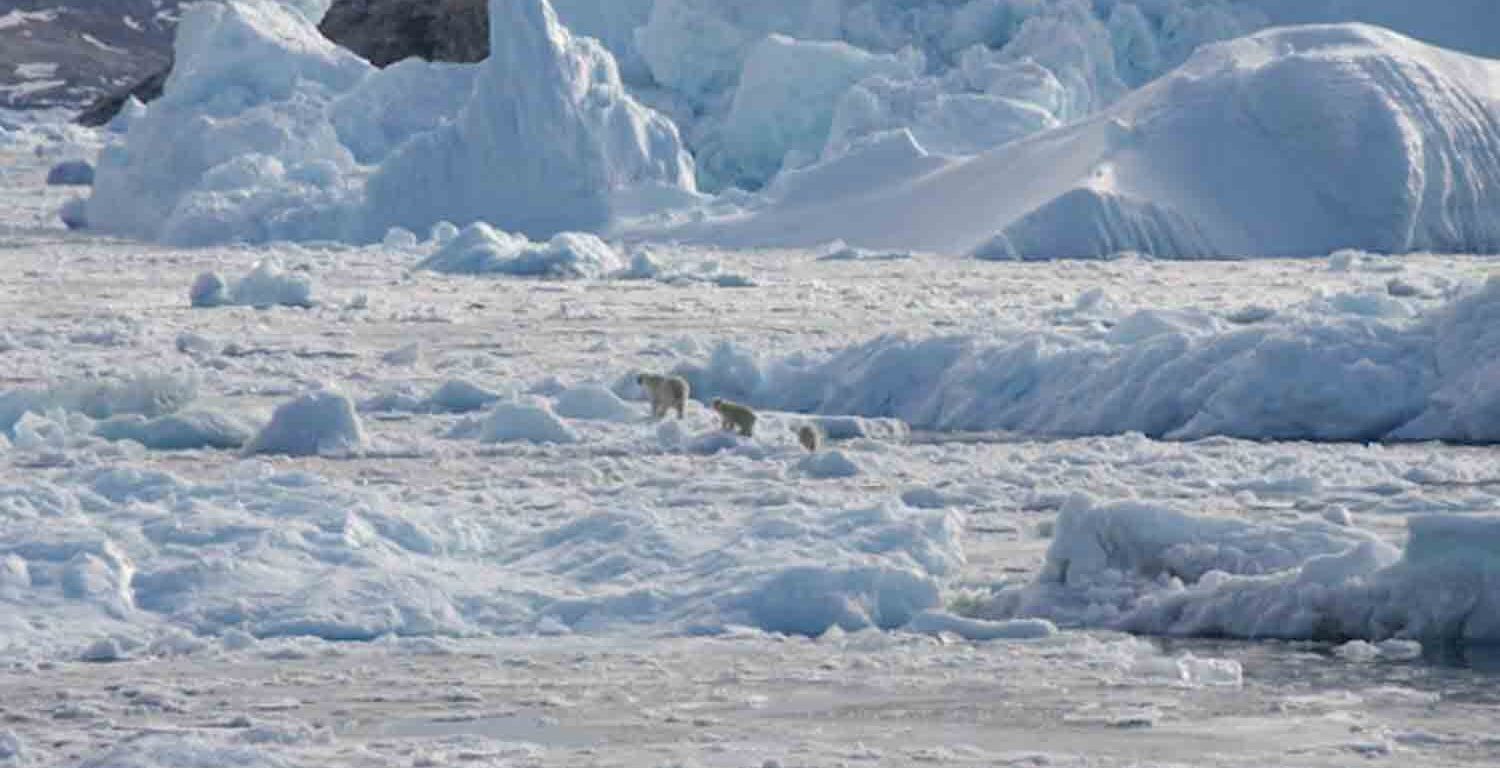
(594, 403)
(526, 423)
(209, 289)
(71, 173)
(810, 600)
(828, 465)
(549, 141)
(269, 285)
(266, 285)
(460, 396)
(483, 250)
(315, 424)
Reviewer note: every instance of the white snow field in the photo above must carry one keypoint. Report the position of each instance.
(321, 443)
(425, 519)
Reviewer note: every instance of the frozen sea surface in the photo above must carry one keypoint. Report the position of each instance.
(413, 595)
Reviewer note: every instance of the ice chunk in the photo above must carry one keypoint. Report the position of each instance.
(809, 600)
(178, 432)
(267, 285)
(594, 403)
(545, 144)
(938, 622)
(828, 465)
(525, 422)
(1141, 568)
(315, 424)
(146, 395)
(208, 290)
(460, 396)
(71, 173)
(482, 250)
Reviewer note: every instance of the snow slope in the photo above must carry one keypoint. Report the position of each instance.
(1291, 142)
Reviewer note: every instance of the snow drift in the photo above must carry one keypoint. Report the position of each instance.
(1142, 568)
(1291, 142)
(1316, 374)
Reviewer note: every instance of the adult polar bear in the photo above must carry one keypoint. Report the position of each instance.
(667, 393)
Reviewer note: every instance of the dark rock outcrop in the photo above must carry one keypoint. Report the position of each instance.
(63, 53)
(387, 31)
(107, 106)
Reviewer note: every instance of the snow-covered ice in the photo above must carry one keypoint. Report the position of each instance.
(396, 499)
(314, 424)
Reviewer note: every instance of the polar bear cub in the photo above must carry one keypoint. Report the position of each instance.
(666, 393)
(733, 416)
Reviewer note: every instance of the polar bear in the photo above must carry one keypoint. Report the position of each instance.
(733, 416)
(809, 436)
(666, 393)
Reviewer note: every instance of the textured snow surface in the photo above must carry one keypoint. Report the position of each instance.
(1353, 368)
(167, 597)
(1144, 568)
(1042, 483)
